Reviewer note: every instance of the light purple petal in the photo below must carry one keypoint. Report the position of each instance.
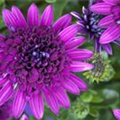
(62, 22)
(47, 16)
(33, 16)
(107, 21)
(19, 16)
(10, 19)
(80, 54)
(24, 117)
(76, 15)
(62, 98)
(52, 102)
(110, 35)
(79, 82)
(116, 113)
(80, 66)
(3, 81)
(69, 32)
(19, 104)
(74, 43)
(101, 8)
(71, 87)
(6, 93)
(37, 105)
(108, 48)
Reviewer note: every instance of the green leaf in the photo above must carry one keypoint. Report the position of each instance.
(94, 112)
(50, 1)
(59, 6)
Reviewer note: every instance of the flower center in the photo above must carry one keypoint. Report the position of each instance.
(39, 58)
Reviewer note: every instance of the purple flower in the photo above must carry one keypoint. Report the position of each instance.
(111, 22)
(116, 113)
(38, 58)
(88, 25)
(6, 111)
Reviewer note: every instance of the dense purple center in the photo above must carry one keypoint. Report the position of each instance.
(39, 58)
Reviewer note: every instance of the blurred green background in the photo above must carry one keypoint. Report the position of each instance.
(95, 104)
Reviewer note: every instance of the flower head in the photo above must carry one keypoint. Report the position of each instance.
(116, 113)
(102, 71)
(111, 22)
(89, 24)
(38, 59)
(6, 111)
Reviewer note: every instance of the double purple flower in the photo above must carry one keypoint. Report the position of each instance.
(38, 59)
(111, 9)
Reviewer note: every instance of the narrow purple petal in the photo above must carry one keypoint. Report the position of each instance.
(19, 16)
(10, 19)
(3, 81)
(75, 43)
(47, 16)
(52, 102)
(80, 66)
(110, 35)
(71, 87)
(76, 15)
(79, 82)
(37, 105)
(107, 21)
(6, 93)
(33, 16)
(62, 22)
(69, 32)
(24, 117)
(19, 104)
(62, 98)
(108, 48)
(101, 8)
(116, 113)
(80, 54)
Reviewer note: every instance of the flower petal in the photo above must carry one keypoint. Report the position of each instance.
(71, 87)
(116, 113)
(75, 43)
(79, 82)
(107, 21)
(19, 104)
(33, 16)
(37, 105)
(110, 35)
(52, 102)
(80, 66)
(69, 32)
(62, 22)
(101, 8)
(47, 16)
(108, 48)
(24, 117)
(10, 20)
(19, 16)
(6, 93)
(80, 54)
(62, 98)
(112, 2)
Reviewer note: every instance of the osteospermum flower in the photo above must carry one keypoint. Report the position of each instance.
(38, 59)
(88, 23)
(111, 22)
(116, 113)
(6, 111)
